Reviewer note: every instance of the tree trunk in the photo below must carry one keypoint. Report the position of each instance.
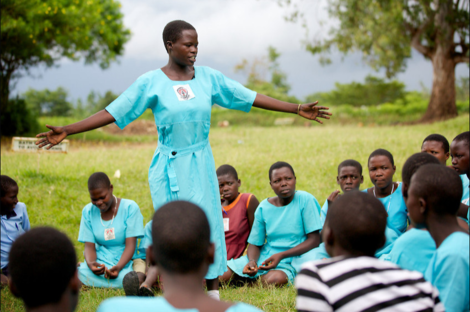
(4, 89)
(442, 104)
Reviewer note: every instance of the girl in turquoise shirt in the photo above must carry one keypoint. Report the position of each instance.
(285, 226)
(109, 229)
(181, 96)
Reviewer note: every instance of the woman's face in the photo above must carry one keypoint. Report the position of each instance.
(184, 50)
(102, 198)
(381, 171)
(283, 182)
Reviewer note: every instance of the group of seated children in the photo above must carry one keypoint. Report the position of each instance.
(363, 250)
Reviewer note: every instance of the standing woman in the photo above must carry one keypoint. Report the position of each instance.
(181, 97)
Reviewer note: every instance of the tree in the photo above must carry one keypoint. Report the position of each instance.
(96, 102)
(258, 71)
(48, 103)
(35, 32)
(386, 30)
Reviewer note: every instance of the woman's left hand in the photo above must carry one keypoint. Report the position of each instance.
(112, 273)
(271, 262)
(313, 112)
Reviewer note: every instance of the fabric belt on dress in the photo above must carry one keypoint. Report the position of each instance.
(173, 153)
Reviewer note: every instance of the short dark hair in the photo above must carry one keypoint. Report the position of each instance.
(98, 180)
(438, 138)
(41, 264)
(350, 163)
(172, 31)
(464, 136)
(227, 169)
(181, 237)
(413, 163)
(5, 184)
(358, 222)
(279, 165)
(381, 152)
(440, 186)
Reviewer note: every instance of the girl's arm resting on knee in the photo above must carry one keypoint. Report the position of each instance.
(312, 241)
(125, 258)
(128, 252)
(308, 111)
(57, 134)
(253, 252)
(90, 259)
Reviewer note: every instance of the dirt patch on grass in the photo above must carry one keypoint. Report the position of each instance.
(138, 127)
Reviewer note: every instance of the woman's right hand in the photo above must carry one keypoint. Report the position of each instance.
(96, 268)
(251, 268)
(51, 138)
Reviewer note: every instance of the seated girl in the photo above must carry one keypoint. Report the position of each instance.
(238, 211)
(109, 229)
(14, 221)
(285, 226)
(381, 170)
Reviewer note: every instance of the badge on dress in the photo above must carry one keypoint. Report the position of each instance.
(226, 221)
(184, 92)
(109, 234)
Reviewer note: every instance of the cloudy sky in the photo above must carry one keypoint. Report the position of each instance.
(229, 31)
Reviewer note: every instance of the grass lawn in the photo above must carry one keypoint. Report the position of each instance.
(54, 186)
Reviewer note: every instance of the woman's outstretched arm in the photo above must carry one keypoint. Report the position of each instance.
(57, 134)
(308, 110)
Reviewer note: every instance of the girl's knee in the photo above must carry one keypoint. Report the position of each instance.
(275, 277)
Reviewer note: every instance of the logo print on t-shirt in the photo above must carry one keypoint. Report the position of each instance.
(183, 92)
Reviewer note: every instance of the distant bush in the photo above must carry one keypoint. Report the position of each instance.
(18, 119)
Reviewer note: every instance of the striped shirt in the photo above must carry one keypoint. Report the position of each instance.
(363, 284)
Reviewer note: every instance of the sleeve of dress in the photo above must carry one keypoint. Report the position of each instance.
(311, 292)
(26, 224)
(85, 234)
(258, 231)
(310, 214)
(132, 103)
(134, 222)
(231, 94)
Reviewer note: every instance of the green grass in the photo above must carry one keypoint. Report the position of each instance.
(55, 190)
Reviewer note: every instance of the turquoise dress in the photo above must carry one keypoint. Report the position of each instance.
(323, 212)
(128, 222)
(448, 271)
(413, 250)
(465, 194)
(126, 304)
(397, 212)
(277, 229)
(183, 167)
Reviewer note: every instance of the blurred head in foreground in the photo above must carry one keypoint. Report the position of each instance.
(43, 270)
(355, 225)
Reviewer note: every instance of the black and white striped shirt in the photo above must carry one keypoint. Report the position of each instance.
(363, 284)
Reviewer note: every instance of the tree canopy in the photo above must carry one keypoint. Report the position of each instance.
(386, 30)
(35, 32)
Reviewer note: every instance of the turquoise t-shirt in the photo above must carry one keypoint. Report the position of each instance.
(448, 271)
(318, 253)
(413, 250)
(126, 304)
(396, 208)
(277, 229)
